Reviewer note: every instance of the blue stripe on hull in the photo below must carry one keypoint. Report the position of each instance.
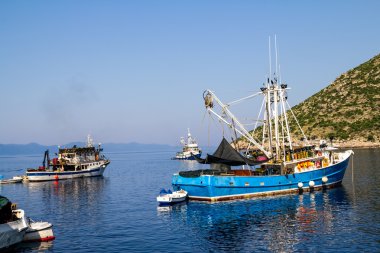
(35, 176)
(49, 173)
(210, 187)
(187, 158)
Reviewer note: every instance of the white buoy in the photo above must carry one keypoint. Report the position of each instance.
(311, 183)
(300, 185)
(325, 179)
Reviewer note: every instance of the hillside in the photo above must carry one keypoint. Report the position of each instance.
(348, 110)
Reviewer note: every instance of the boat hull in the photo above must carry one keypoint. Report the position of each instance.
(10, 181)
(163, 201)
(35, 176)
(12, 232)
(186, 157)
(172, 198)
(39, 232)
(225, 187)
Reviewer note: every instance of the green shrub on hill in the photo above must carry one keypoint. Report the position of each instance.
(347, 109)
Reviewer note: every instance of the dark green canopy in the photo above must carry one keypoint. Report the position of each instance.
(5, 210)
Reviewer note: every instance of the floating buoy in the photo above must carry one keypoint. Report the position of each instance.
(300, 185)
(311, 183)
(325, 179)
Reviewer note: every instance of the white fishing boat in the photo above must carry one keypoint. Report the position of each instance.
(71, 163)
(39, 231)
(13, 224)
(169, 197)
(190, 149)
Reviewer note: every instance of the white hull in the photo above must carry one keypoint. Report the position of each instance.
(39, 231)
(12, 232)
(93, 171)
(187, 154)
(172, 198)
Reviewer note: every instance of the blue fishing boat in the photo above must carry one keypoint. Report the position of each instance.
(275, 164)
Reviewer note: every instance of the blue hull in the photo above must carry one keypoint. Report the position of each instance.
(224, 187)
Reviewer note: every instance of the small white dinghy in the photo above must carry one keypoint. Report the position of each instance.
(169, 197)
(15, 179)
(39, 231)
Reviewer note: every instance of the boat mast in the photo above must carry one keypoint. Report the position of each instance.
(268, 99)
(90, 142)
(275, 100)
(283, 98)
(265, 123)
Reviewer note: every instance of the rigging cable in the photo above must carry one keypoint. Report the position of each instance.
(294, 116)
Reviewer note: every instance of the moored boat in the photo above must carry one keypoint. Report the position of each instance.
(13, 224)
(71, 163)
(273, 164)
(190, 149)
(13, 180)
(169, 197)
(39, 231)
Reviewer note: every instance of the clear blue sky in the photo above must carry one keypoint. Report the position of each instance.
(135, 70)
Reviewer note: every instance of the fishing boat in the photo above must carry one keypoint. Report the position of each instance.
(39, 231)
(190, 149)
(13, 224)
(169, 197)
(276, 164)
(71, 163)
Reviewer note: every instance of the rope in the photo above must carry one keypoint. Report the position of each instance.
(307, 141)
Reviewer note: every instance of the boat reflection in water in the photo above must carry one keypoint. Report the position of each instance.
(279, 223)
(74, 188)
(75, 207)
(34, 246)
(179, 207)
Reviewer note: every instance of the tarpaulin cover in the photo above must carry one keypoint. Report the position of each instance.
(226, 154)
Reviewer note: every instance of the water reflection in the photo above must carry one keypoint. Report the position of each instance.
(35, 246)
(72, 206)
(69, 196)
(72, 189)
(179, 207)
(189, 165)
(275, 224)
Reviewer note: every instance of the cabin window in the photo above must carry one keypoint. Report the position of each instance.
(273, 170)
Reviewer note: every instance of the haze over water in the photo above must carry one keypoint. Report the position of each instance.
(119, 213)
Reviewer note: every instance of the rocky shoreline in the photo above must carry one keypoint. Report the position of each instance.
(355, 144)
(350, 144)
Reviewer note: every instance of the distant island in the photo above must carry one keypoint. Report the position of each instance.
(37, 149)
(346, 112)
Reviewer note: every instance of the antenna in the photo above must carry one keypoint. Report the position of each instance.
(270, 62)
(275, 47)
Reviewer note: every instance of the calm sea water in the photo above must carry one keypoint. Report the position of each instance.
(119, 213)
